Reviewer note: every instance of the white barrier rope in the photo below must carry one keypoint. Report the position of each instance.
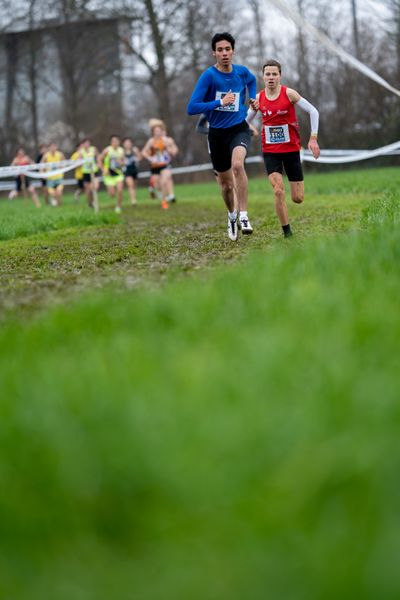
(334, 48)
(58, 168)
(333, 156)
(354, 157)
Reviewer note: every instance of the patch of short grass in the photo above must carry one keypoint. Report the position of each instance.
(56, 254)
(20, 218)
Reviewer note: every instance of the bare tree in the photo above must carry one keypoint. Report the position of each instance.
(256, 8)
(303, 66)
(355, 28)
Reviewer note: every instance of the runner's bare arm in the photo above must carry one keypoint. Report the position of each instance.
(171, 146)
(146, 149)
(100, 158)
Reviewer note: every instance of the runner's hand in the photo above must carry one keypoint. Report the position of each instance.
(254, 103)
(229, 98)
(314, 148)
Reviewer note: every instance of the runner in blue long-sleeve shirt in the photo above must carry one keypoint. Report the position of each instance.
(220, 93)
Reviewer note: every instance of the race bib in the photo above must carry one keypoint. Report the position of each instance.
(234, 107)
(277, 134)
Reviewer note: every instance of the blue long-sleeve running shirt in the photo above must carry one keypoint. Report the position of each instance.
(212, 87)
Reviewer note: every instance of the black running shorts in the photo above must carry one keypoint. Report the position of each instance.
(87, 177)
(222, 142)
(131, 171)
(157, 170)
(18, 182)
(275, 162)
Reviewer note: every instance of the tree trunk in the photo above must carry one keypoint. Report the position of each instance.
(11, 47)
(302, 58)
(161, 83)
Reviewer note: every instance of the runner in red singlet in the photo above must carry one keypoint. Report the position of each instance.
(281, 138)
(22, 182)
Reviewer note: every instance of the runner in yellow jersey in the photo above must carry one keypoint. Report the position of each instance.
(111, 161)
(78, 172)
(90, 169)
(55, 184)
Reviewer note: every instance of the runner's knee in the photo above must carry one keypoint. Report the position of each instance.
(226, 186)
(279, 189)
(297, 193)
(298, 197)
(237, 166)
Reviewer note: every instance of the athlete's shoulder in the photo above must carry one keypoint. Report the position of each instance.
(209, 74)
(292, 94)
(241, 69)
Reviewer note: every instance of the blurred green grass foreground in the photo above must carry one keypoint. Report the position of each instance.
(230, 437)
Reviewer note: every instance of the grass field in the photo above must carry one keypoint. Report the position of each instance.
(183, 417)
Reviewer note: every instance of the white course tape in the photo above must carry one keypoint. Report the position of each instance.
(334, 48)
(46, 174)
(360, 155)
(334, 156)
(56, 168)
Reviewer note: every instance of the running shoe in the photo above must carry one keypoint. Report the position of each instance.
(245, 226)
(164, 204)
(232, 229)
(118, 210)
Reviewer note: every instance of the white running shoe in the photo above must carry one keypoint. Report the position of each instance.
(245, 226)
(118, 209)
(232, 229)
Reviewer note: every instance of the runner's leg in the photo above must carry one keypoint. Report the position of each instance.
(276, 180)
(297, 191)
(240, 176)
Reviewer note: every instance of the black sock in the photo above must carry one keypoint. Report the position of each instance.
(287, 232)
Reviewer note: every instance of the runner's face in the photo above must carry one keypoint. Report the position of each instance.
(272, 77)
(223, 54)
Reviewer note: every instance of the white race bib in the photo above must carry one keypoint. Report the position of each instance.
(277, 134)
(234, 107)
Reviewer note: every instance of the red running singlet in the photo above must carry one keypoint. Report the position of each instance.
(280, 132)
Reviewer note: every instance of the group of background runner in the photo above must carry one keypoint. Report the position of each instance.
(117, 163)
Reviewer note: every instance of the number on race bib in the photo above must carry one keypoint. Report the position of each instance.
(277, 134)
